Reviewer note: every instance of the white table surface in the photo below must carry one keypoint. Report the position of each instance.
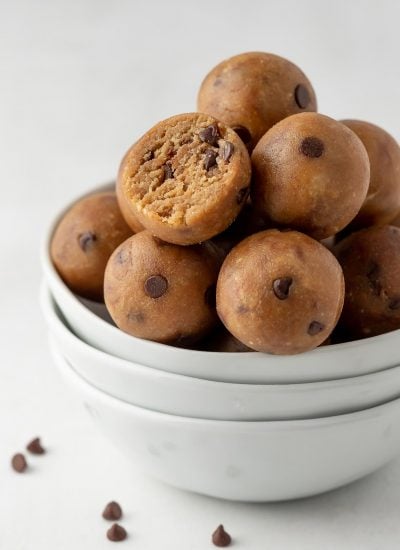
(79, 82)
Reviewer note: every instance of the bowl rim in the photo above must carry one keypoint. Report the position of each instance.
(76, 379)
(51, 272)
(49, 309)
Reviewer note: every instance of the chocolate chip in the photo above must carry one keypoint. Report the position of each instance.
(209, 296)
(35, 447)
(394, 303)
(373, 278)
(168, 171)
(242, 309)
(149, 155)
(112, 511)
(155, 286)
(226, 150)
(210, 134)
(210, 159)
(86, 240)
(19, 463)
(243, 133)
(315, 327)
(312, 147)
(281, 287)
(301, 96)
(116, 533)
(220, 537)
(242, 194)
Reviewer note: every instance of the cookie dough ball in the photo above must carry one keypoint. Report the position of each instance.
(186, 179)
(280, 292)
(160, 291)
(253, 91)
(85, 239)
(383, 199)
(370, 260)
(311, 173)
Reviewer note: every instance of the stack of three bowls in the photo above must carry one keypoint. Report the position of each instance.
(242, 426)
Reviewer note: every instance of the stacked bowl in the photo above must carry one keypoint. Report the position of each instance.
(240, 426)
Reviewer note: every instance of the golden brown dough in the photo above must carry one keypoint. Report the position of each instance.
(311, 173)
(370, 260)
(280, 292)
(161, 291)
(383, 199)
(253, 91)
(84, 240)
(185, 180)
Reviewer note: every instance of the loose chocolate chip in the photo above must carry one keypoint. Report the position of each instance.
(242, 194)
(281, 287)
(112, 511)
(312, 147)
(394, 303)
(86, 240)
(210, 159)
(149, 155)
(155, 286)
(35, 447)
(18, 463)
(315, 327)
(301, 96)
(168, 171)
(220, 537)
(243, 133)
(209, 296)
(226, 150)
(116, 533)
(210, 134)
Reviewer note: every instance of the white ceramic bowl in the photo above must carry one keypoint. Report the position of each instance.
(324, 363)
(186, 396)
(248, 461)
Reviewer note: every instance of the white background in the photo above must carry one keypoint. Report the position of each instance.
(79, 82)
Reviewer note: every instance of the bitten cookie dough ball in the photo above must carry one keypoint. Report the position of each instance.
(253, 91)
(370, 260)
(311, 173)
(186, 179)
(280, 292)
(160, 291)
(85, 239)
(383, 199)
